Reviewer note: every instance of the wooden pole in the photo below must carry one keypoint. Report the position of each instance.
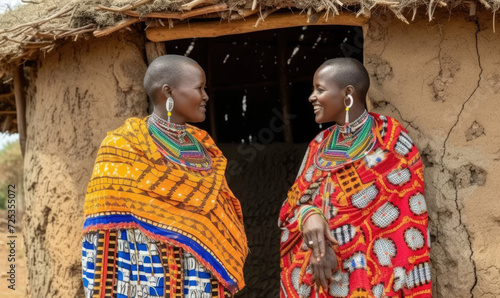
(155, 50)
(283, 82)
(20, 105)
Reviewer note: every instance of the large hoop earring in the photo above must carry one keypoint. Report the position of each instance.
(169, 106)
(347, 107)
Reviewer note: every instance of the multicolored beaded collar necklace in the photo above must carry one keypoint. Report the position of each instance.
(177, 145)
(341, 148)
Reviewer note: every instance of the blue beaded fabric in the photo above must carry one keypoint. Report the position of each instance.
(133, 265)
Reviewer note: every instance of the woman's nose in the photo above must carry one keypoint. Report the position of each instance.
(205, 95)
(312, 97)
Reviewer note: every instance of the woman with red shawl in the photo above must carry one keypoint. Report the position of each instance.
(355, 220)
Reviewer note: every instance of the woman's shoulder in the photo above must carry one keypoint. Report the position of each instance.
(197, 132)
(204, 138)
(128, 130)
(392, 134)
(387, 125)
(381, 119)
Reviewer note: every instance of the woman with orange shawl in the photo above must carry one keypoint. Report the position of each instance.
(355, 221)
(160, 220)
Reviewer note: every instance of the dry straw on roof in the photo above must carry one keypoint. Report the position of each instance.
(34, 27)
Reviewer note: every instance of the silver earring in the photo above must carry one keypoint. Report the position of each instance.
(170, 106)
(347, 106)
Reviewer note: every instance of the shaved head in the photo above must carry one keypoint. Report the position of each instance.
(349, 71)
(167, 69)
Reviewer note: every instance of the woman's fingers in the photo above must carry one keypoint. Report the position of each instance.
(319, 276)
(316, 235)
(329, 235)
(315, 246)
(323, 270)
(323, 282)
(320, 236)
(328, 272)
(313, 233)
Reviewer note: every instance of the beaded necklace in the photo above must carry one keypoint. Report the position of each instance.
(341, 148)
(177, 145)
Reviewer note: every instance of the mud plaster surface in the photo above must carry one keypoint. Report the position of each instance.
(444, 88)
(78, 94)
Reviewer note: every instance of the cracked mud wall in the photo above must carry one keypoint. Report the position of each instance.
(441, 79)
(78, 93)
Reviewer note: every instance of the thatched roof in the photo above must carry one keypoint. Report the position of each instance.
(34, 27)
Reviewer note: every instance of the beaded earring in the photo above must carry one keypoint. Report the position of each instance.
(170, 106)
(347, 106)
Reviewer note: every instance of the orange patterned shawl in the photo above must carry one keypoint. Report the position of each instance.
(133, 187)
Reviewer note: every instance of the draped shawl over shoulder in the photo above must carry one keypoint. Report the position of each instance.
(375, 209)
(133, 187)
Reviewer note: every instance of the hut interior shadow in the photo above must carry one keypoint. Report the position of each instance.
(251, 78)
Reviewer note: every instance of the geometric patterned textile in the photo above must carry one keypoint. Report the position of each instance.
(196, 278)
(134, 187)
(344, 234)
(385, 215)
(414, 238)
(384, 249)
(340, 286)
(417, 204)
(380, 221)
(419, 275)
(139, 266)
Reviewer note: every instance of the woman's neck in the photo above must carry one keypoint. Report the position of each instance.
(169, 126)
(162, 113)
(354, 113)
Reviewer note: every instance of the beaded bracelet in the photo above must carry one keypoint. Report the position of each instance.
(306, 212)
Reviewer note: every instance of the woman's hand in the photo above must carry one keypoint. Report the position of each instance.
(316, 234)
(323, 269)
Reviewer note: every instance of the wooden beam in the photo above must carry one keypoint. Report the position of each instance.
(199, 12)
(121, 25)
(20, 105)
(8, 112)
(6, 95)
(155, 50)
(6, 123)
(273, 21)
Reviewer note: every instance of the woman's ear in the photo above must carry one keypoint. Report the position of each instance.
(166, 90)
(349, 89)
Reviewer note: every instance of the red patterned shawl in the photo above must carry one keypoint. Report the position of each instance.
(376, 211)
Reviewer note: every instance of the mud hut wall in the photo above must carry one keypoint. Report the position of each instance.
(442, 81)
(77, 94)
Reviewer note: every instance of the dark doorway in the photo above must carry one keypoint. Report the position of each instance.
(251, 79)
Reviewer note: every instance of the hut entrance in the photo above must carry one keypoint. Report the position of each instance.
(259, 115)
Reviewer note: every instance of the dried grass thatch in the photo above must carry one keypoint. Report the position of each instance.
(34, 27)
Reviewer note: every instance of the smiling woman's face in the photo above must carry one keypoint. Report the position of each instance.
(190, 98)
(327, 97)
